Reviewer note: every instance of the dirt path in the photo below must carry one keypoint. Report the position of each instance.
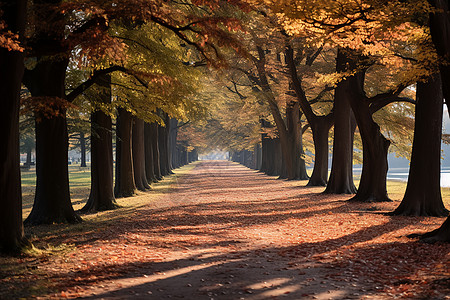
(227, 232)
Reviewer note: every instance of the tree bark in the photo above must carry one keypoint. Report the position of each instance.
(173, 133)
(12, 237)
(101, 196)
(264, 147)
(52, 202)
(156, 156)
(440, 33)
(341, 176)
(149, 158)
(258, 156)
(423, 191)
(442, 234)
(163, 150)
(125, 185)
(320, 126)
(320, 131)
(83, 150)
(28, 161)
(372, 186)
(138, 147)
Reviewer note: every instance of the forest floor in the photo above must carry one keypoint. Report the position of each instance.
(217, 230)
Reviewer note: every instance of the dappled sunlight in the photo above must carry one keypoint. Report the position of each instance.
(202, 237)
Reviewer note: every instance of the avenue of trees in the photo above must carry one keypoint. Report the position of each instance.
(279, 84)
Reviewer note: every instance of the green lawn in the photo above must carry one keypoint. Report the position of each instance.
(80, 179)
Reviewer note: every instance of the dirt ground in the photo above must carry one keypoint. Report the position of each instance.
(227, 232)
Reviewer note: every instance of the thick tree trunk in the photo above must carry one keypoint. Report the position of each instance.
(341, 176)
(83, 150)
(52, 202)
(149, 158)
(440, 33)
(155, 145)
(138, 148)
(264, 148)
(163, 150)
(320, 126)
(173, 132)
(125, 185)
(52, 197)
(319, 175)
(11, 70)
(101, 196)
(423, 191)
(278, 159)
(372, 186)
(258, 156)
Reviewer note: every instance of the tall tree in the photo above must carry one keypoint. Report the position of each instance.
(46, 82)
(440, 33)
(423, 191)
(101, 196)
(125, 185)
(11, 62)
(320, 124)
(140, 177)
(341, 176)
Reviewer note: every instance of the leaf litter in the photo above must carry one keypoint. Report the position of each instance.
(228, 232)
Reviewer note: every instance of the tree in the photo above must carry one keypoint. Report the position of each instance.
(101, 196)
(87, 35)
(367, 35)
(290, 129)
(423, 191)
(138, 146)
(341, 176)
(440, 33)
(125, 185)
(12, 237)
(319, 124)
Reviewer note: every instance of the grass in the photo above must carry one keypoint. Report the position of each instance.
(79, 186)
(80, 180)
(56, 239)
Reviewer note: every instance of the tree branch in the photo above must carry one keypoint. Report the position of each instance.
(95, 76)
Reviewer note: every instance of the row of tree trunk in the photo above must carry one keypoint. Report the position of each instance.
(353, 108)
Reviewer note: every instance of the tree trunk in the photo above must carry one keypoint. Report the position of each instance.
(423, 191)
(173, 132)
(101, 196)
(320, 126)
(258, 156)
(11, 70)
(83, 150)
(28, 161)
(163, 151)
(440, 33)
(442, 234)
(149, 158)
(319, 175)
(341, 176)
(138, 148)
(156, 156)
(52, 202)
(125, 185)
(264, 147)
(277, 158)
(372, 186)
